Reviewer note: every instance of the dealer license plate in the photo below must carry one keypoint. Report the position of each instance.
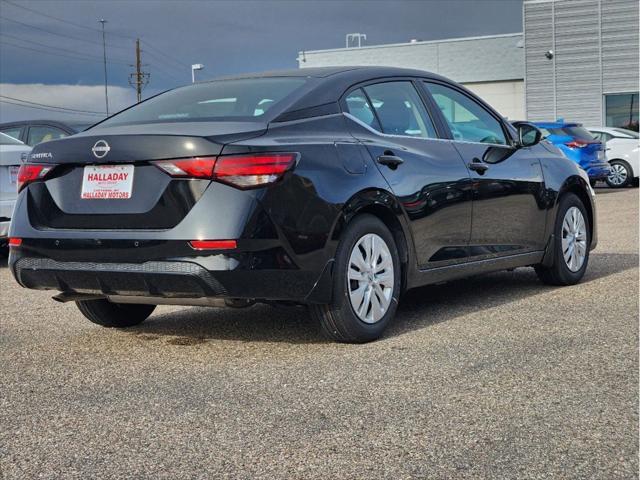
(107, 182)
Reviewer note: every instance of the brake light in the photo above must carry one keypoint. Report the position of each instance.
(576, 144)
(213, 244)
(248, 171)
(198, 167)
(15, 242)
(31, 172)
(240, 171)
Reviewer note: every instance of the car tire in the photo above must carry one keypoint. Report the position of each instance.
(621, 174)
(361, 269)
(114, 315)
(571, 244)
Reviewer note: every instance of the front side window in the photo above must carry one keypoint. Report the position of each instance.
(467, 119)
(400, 109)
(44, 134)
(9, 140)
(244, 99)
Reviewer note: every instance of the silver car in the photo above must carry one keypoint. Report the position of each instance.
(12, 153)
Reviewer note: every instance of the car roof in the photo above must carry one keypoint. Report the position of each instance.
(556, 124)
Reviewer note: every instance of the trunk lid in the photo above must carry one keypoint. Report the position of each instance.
(155, 200)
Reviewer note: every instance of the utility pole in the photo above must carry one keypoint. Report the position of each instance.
(139, 79)
(104, 58)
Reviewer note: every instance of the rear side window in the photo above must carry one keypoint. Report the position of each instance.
(41, 134)
(400, 109)
(236, 100)
(358, 106)
(468, 120)
(12, 132)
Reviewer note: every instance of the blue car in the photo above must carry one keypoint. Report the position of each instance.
(578, 145)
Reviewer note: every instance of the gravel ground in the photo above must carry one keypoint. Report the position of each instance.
(492, 377)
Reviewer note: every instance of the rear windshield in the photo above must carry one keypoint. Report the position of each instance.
(579, 133)
(235, 100)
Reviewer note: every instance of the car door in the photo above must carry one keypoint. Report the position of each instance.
(423, 171)
(508, 185)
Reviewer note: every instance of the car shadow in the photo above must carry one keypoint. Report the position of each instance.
(418, 308)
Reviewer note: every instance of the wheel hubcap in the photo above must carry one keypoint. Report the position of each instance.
(618, 174)
(370, 278)
(574, 239)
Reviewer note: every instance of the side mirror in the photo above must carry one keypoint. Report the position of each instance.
(528, 134)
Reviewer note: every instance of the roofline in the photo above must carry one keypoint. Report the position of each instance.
(405, 44)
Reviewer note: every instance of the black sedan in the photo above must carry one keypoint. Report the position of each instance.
(335, 188)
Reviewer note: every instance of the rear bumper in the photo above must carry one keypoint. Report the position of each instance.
(212, 276)
(598, 171)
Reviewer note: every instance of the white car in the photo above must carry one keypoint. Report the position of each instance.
(12, 153)
(623, 153)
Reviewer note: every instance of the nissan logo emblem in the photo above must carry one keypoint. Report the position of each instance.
(100, 149)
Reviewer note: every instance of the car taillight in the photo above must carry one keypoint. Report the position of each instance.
(15, 242)
(213, 244)
(30, 172)
(198, 167)
(248, 171)
(240, 171)
(576, 144)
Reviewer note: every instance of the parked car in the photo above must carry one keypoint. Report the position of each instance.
(578, 145)
(33, 132)
(335, 188)
(623, 153)
(12, 153)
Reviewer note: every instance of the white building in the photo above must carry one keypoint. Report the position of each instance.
(490, 66)
(577, 60)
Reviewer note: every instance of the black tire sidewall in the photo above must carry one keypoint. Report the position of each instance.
(356, 328)
(567, 276)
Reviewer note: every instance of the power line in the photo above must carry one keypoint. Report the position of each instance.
(51, 106)
(75, 52)
(173, 59)
(96, 30)
(40, 29)
(50, 109)
(86, 59)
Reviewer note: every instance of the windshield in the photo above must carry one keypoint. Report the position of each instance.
(234, 100)
(578, 133)
(629, 133)
(8, 140)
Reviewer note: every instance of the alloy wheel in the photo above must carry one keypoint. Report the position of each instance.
(618, 175)
(574, 239)
(370, 278)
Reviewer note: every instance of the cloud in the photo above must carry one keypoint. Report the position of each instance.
(79, 97)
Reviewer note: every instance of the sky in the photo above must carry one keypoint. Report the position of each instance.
(51, 50)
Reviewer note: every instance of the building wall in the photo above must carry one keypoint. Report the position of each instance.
(473, 59)
(595, 51)
(506, 97)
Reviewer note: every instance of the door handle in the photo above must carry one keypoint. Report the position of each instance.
(477, 166)
(390, 160)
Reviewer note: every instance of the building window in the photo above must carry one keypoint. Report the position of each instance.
(621, 110)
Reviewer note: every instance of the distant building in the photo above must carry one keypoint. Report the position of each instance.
(577, 60)
(490, 66)
(581, 60)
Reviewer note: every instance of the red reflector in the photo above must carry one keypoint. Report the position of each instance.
(576, 144)
(15, 242)
(30, 172)
(198, 167)
(213, 244)
(249, 171)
